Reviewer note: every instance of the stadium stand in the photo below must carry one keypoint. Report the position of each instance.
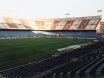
(100, 70)
(80, 23)
(19, 33)
(86, 26)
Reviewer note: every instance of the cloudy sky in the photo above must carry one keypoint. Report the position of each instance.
(51, 8)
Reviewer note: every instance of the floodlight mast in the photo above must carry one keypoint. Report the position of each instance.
(67, 14)
(100, 30)
(100, 11)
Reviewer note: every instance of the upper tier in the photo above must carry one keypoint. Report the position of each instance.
(80, 23)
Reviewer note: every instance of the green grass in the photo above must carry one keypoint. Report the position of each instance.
(15, 52)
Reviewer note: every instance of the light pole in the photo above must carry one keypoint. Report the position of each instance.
(100, 12)
(67, 14)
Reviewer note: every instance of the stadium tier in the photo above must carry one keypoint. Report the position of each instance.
(27, 33)
(19, 33)
(80, 23)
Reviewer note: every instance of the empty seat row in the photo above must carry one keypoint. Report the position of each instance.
(85, 56)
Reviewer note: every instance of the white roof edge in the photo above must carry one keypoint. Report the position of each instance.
(72, 18)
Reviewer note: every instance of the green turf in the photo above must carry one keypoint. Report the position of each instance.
(15, 52)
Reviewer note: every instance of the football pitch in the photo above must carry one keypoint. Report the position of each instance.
(16, 52)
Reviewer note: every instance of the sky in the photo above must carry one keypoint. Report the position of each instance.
(51, 8)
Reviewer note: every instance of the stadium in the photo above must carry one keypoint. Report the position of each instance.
(33, 48)
(70, 47)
